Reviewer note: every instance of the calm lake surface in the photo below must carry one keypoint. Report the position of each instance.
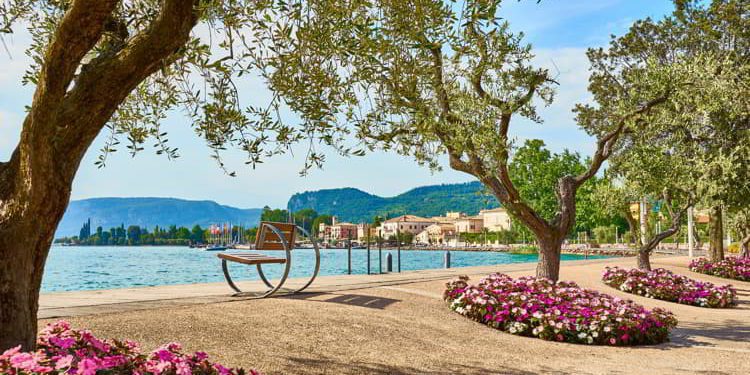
(86, 268)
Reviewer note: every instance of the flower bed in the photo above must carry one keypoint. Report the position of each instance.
(664, 285)
(561, 311)
(61, 350)
(731, 267)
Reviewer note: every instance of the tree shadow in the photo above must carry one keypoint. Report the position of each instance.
(360, 300)
(692, 334)
(300, 365)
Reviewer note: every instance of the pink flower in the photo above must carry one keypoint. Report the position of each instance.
(64, 362)
(66, 351)
(62, 343)
(88, 366)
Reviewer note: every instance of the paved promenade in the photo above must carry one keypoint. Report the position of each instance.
(398, 324)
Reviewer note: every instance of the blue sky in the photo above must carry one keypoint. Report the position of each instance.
(560, 31)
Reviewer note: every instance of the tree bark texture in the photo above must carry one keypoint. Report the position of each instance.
(745, 246)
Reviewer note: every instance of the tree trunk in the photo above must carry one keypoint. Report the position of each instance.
(745, 247)
(644, 259)
(548, 265)
(716, 234)
(33, 198)
(64, 119)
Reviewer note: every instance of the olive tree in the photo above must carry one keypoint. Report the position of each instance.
(706, 125)
(432, 79)
(121, 67)
(645, 171)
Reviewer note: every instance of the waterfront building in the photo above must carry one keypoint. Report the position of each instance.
(404, 224)
(337, 231)
(449, 217)
(496, 219)
(365, 229)
(438, 234)
(469, 224)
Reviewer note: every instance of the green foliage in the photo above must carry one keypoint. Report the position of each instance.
(136, 235)
(696, 146)
(526, 249)
(535, 171)
(404, 238)
(605, 234)
(275, 215)
(356, 206)
(321, 219)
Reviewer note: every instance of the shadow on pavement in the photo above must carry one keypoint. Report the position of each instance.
(359, 300)
(298, 365)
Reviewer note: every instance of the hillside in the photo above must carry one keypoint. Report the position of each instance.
(149, 212)
(355, 205)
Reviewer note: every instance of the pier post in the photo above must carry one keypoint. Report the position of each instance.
(447, 259)
(368, 253)
(388, 263)
(380, 255)
(398, 238)
(349, 253)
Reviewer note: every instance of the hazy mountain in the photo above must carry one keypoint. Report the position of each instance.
(355, 205)
(149, 212)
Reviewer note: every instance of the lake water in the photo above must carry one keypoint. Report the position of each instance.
(86, 268)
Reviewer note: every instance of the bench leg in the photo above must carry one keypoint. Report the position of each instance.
(229, 278)
(271, 288)
(263, 276)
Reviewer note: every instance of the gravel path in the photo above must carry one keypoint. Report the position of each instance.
(407, 329)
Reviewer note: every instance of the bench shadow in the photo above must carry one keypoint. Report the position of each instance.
(359, 300)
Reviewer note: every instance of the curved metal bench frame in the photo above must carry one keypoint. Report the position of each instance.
(287, 266)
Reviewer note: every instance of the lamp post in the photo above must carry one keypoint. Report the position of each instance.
(690, 232)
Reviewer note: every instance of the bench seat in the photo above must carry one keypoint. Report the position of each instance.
(251, 258)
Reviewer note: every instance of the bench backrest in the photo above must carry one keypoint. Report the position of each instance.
(267, 239)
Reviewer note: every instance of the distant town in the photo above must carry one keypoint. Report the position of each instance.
(449, 230)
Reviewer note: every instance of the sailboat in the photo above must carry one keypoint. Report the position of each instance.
(216, 246)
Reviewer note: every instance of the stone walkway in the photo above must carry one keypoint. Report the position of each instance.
(398, 324)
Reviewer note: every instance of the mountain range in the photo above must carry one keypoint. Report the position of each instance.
(348, 204)
(355, 205)
(149, 212)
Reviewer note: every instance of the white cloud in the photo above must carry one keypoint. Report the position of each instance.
(559, 131)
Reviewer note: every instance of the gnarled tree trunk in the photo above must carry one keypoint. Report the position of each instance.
(745, 246)
(35, 195)
(548, 265)
(644, 259)
(64, 119)
(716, 234)
(648, 245)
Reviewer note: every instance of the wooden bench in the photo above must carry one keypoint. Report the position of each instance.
(252, 259)
(271, 237)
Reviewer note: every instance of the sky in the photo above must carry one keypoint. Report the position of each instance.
(559, 32)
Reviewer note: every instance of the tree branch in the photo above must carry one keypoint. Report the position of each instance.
(675, 225)
(106, 82)
(605, 144)
(502, 187)
(80, 29)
